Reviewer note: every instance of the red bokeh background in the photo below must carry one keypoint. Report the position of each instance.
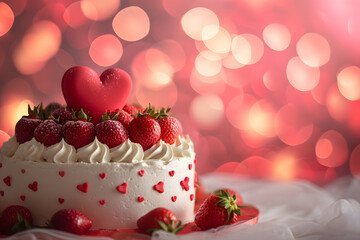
(267, 89)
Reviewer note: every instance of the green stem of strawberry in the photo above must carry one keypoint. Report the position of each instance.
(229, 203)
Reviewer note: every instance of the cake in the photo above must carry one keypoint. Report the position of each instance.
(112, 186)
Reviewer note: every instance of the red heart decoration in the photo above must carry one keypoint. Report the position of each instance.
(7, 181)
(141, 172)
(83, 88)
(173, 198)
(102, 202)
(83, 187)
(171, 173)
(159, 187)
(62, 173)
(102, 175)
(185, 184)
(122, 188)
(33, 186)
(140, 199)
(61, 200)
(22, 197)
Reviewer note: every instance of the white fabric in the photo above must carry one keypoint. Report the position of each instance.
(288, 210)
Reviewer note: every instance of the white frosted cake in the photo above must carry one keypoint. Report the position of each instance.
(113, 187)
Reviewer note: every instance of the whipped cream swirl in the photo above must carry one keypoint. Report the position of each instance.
(60, 152)
(32, 151)
(160, 151)
(94, 152)
(9, 147)
(127, 152)
(183, 147)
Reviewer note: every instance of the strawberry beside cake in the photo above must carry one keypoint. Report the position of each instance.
(113, 170)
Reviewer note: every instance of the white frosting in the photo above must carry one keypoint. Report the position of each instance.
(94, 152)
(160, 151)
(30, 151)
(9, 147)
(183, 147)
(127, 152)
(60, 152)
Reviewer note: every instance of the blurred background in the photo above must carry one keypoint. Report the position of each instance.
(265, 88)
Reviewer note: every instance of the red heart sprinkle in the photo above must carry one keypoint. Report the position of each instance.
(173, 198)
(122, 188)
(33, 186)
(22, 171)
(191, 197)
(102, 175)
(171, 173)
(0, 165)
(83, 187)
(7, 181)
(62, 173)
(141, 172)
(61, 200)
(159, 187)
(102, 202)
(2, 193)
(83, 88)
(185, 184)
(195, 161)
(190, 166)
(22, 197)
(140, 199)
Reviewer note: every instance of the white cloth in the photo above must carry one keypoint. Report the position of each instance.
(296, 210)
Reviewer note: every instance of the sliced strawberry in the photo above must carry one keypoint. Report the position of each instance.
(159, 219)
(111, 132)
(217, 210)
(15, 219)
(70, 220)
(80, 131)
(25, 127)
(48, 133)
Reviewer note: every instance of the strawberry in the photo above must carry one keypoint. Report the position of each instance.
(239, 200)
(111, 132)
(15, 219)
(79, 131)
(25, 127)
(133, 110)
(62, 115)
(217, 210)
(159, 219)
(124, 117)
(144, 129)
(70, 220)
(170, 127)
(50, 108)
(48, 132)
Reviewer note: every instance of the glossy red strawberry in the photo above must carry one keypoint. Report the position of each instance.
(133, 110)
(48, 132)
(25, 127)
(144, 129)
(170, 127)
(159, 219)
(62, 115)
(120, 115)
(70, 220)
(217, 210)
(111, 132)
(15, 219)
(239, 200)
(80, 131)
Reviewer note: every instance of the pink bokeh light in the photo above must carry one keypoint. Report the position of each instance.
(266, 89)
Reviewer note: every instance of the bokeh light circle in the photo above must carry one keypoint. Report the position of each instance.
(261, 118)
(6, 18)
(355, 162)
(336, 104)
(106, 50)
(292, 126)
(220, 43)
(237, 111)
(200, 23)
(277, 36)
(97, 10)
(207, 110)
(331, 149)
(313, 49)
(208, 64)
(131, 23)
(301, 76)
(247, 48)
(73, 15)
(349, 82)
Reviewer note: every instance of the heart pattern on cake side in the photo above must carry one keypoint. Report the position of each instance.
(33, 186)
(185, 184)
(83, 88)
(122, 188)
(159, 187)
(83, 187)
